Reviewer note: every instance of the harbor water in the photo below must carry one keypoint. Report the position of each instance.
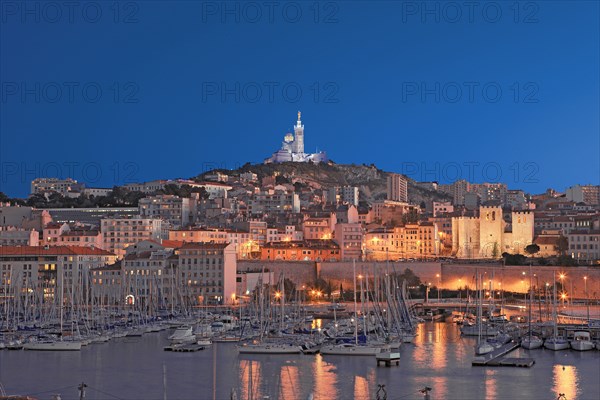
(440, 358)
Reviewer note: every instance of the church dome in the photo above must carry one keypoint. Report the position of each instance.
(288, 138)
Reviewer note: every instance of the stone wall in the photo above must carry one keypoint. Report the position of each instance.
(302, 273)
(516, 278)
(451, 275)
(299, 272)
(341, 272)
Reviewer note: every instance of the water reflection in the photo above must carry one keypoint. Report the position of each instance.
(325, 379)
(491, 384)
(316, 324)
(361, 387)
(566, 381)
(431, 347)
(290, 382)
(250, 379)
(440, 359)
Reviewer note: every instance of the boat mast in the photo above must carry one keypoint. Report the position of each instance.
(282, 302)
(61, 303)
(479, 322)
(355, 315)
(554, 305)
(530, 301)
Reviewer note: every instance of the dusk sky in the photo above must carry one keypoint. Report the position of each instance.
(154, 89)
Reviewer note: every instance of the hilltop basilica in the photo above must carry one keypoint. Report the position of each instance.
(292, 148)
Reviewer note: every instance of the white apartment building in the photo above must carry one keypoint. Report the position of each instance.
(119, 233)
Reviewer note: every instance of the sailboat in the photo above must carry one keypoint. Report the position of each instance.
(55, 345)
(555, 342)
(478, 328)
(531, 341)
(352, 349)
(271, 346)
(482, 347)
(582, 340)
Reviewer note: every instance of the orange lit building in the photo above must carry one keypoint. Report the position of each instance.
(307, 250)
(409, 241)
(319, 228)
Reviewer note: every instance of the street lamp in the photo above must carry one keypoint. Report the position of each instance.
(439, 283)
(562, 287)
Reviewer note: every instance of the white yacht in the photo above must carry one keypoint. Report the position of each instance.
(51, 345)
(582, 341)
(182, 334)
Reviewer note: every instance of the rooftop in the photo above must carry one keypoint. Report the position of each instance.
(52, 251)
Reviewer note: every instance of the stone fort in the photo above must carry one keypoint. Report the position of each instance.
(490, 234)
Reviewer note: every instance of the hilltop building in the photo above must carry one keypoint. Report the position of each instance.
(292, 148)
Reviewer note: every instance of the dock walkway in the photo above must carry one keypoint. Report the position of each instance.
(496, 358)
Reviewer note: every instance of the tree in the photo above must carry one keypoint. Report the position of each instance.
(495, 250)
(411, 217)
(289, 287)
(514, 259)
(409, 276)
(563, 245)
(532, 249)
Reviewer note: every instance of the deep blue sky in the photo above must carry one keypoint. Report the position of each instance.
(370, 63)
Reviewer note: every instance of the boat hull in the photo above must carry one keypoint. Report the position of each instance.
(533, 343)
(350, 350)
(269, 349)
(53, 346)
(553, 344)
(582, 345)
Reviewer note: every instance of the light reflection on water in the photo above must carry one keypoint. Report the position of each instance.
(290, 383)
(361, 387)
(491, 392)
(440, 359)
(566, 381)
(325, 377)
(250, 379)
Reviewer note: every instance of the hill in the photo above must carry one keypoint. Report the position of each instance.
(371, 181)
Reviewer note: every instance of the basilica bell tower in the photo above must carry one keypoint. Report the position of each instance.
(298, 136)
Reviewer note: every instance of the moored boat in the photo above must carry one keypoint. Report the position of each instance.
(182, 334)
(582, 341)
(53, 345)
(531, 342)
(269, 348)
(556, 343)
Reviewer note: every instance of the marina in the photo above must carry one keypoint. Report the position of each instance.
(439, 358)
